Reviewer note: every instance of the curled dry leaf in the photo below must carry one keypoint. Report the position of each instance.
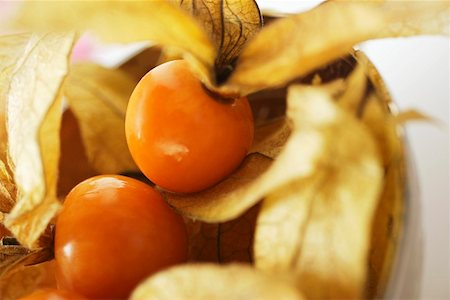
(353, 96)
(156, 21)
(390, 211)
(331, 207)
(74, 165)
(228, 199)
(212, 281)
(27, 279)
(98, 98)
(7, 189)
(387, 229)
(295, 45)
(271, 137)
(230, 24)
(33, 121)
(227, 242)
(11, 48)
(14, 257)
(412, 115)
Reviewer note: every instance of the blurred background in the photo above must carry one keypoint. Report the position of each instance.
(417, 73)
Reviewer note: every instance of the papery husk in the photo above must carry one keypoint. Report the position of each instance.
(336, 197)
(98, 98)
(74, 165)
(11, 48)
(387, 227)
(160, 22)
(25, 280)
(271, 137)
(228, 199)
(33, 121)
(296, 45)
(229, 24)
(212, 281)
(364, 83)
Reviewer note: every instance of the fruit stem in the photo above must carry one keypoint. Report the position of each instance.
(218, 97)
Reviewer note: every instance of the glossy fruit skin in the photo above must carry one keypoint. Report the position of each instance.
(112, 232)
(52, 294)
(182, 138)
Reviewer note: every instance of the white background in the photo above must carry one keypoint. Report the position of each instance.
(417, 73)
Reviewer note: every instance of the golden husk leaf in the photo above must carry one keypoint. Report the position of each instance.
(229, 198)
(98, 98)
(7, 189)
(212, 281)
(33, 121)
(311, 39)
(387, 224)
(158, 21)
(11, 48)
(330, 208)
(271, 137)
(387, 229)
(412, 115)
(27, 279)
(229, 23)
(366, 97)
(74, 166)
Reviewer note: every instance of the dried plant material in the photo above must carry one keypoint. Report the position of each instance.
(270, 138)
(309, 40)
(411, 115)
(11, 48)
(156, 21)
(230, 24)
(389, 216)
(10, 257)
(26, 280)
(7, 189)
(355, 91)
(367, 98)
(74, 165)
(33, 121)
(330, 208)
(229, 198)
(386, 230)
(14, 257)
(211, 281)
(98, 97)
(3, 230)
(227, 242)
